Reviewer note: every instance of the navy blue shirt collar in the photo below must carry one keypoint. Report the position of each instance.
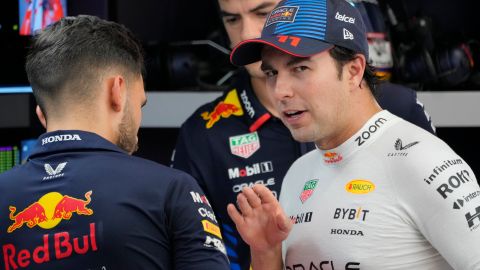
(68, 140)
(255, 113)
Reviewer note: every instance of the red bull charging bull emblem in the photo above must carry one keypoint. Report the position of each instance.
(224, 109)
(50, 209)
(47, 213)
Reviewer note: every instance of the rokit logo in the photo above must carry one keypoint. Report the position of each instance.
(54, 173)
(369, 131)
(351, 214)
(439, 169)
(257, 168)
(323, 265)
(454, 182)
(247, 104)
(473, 219)
(399, 147)
(302, 218)
(61, 138)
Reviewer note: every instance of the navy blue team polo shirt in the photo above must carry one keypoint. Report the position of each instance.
(80, 202)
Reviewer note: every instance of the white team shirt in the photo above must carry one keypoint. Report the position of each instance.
(393, 196)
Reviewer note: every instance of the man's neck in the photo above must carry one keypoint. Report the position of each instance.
(260, 89)
(84, 124)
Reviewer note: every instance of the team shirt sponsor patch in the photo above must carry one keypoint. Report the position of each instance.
(211, 228)
(224, 109)
(244, 145)
(54, 173)
(197, 198)
(473, 218)
(282, 14)
(215, 243)
(308, 189)
(359, 186)
(466, 199)
(332, 157)
(61, 138)
(49, 210)
(47, 213)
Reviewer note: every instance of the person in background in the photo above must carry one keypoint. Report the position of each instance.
(238, 139)
(81, 201)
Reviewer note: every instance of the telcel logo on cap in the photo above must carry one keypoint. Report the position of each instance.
(344, 18)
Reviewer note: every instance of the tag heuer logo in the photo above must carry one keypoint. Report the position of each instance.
(245, 145)
(54, 173)
(308, 190)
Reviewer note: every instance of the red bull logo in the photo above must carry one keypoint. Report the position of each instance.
(62, 243)
(332, 157)
(224, 109)
(49, 211)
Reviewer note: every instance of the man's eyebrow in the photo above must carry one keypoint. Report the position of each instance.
(262, 6)
(224, 13)
(265, 66)
(144, 103)
(296, 60)
(255, 9)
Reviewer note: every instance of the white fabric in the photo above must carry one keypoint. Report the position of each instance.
(422, 211)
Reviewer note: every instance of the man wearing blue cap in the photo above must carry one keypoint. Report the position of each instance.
(378, 192)
(238, 139)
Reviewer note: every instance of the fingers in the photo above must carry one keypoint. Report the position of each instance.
(264, 193)
(235, 215)
(252, 197)
(244, 205)
(284, 224)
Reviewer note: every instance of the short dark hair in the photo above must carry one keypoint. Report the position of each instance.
(343, 55)
(65, 59)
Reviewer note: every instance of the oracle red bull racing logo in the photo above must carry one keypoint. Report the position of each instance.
(49, 211)
(226, 108)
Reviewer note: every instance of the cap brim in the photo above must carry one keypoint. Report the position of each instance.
(250, 51)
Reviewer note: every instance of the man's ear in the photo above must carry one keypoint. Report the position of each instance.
(41, 116)
(356, 68)
(117, 92)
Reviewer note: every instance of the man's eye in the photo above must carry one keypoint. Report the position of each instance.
(230, 19)
(300, 68)
(262, 14)
(269, 73)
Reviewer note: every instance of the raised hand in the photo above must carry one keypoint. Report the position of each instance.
(262, 222)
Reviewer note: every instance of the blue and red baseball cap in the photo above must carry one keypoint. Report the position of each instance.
(304, 28)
